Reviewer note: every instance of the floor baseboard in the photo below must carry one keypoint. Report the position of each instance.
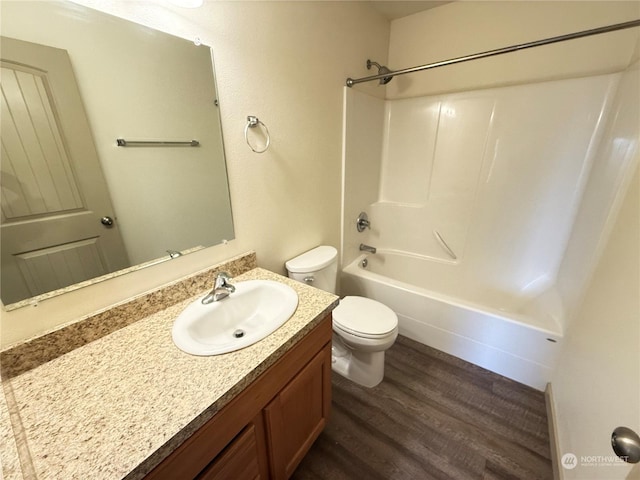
(553, 433)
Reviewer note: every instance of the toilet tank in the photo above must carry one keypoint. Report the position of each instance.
(317, 267)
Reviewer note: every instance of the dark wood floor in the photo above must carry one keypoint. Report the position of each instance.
(434, 416)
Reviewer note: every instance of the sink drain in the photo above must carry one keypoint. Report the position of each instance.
(238, 333)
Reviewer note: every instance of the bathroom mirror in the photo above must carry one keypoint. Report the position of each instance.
(75, 205)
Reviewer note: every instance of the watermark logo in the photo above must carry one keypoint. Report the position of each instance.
(569, 461)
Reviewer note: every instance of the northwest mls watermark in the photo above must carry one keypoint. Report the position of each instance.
(570, 461)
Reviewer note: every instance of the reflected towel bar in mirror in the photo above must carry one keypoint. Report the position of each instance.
(121, 142)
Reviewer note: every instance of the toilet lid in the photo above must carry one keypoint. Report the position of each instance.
(315, 259)
(364, 317)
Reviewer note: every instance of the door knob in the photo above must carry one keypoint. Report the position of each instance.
(626, 444)
(107, 221)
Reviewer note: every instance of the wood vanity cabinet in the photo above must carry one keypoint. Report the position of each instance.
(265, 431)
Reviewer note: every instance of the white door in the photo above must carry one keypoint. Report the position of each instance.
(54, 195)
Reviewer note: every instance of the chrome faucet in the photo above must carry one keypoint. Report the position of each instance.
(221, 288)
(367, 248)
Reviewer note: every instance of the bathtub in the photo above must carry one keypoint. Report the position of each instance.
(516, 337)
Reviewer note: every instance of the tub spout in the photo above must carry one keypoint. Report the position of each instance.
(367, 248)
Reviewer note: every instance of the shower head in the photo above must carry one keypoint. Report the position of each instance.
(381, 71)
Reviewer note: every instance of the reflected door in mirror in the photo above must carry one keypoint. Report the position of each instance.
(48, 161)
(135, 83)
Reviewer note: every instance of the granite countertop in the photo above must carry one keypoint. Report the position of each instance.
(115, 407)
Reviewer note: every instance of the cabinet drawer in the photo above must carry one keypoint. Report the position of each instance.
(238, 461)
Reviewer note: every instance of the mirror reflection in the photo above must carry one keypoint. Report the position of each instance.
(75, 205)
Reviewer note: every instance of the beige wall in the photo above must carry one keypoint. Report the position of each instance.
(596, 387)
(464, 28)
(285, 62)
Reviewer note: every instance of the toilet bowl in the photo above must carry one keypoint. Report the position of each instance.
(362, 328)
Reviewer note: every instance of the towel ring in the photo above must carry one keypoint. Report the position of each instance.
(253, 122)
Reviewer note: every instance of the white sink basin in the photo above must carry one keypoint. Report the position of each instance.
(256, 309)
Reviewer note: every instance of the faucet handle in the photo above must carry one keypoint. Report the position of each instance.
(362, 222)
(221, 279)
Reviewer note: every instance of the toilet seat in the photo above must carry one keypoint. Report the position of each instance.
(364, 317)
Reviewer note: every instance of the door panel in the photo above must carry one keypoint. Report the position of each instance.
(46, 269)
(52, 180)
(34, 153)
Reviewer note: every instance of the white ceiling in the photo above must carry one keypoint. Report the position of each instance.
(393, 9)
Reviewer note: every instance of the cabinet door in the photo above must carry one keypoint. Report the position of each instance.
(297, 415)
(242, 459)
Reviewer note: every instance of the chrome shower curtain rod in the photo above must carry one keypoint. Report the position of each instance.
(499, 51)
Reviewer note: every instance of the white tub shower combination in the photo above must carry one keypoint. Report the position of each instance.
(488, 210)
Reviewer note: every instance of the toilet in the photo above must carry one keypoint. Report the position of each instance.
(362, 328)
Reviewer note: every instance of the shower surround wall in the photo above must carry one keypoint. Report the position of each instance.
(500, 174)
